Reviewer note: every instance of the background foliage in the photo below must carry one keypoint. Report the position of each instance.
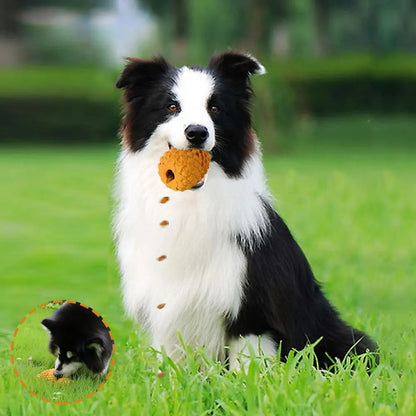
(323, 58)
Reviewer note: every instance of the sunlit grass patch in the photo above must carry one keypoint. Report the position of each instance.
(353, 211)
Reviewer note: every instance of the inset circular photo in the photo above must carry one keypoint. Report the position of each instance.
(62, 352)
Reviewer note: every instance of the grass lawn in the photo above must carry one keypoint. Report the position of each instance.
(352, 208)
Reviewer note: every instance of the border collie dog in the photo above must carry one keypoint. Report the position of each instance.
(215, 264)
(78, 337)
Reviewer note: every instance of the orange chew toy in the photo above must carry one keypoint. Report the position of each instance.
(183, 169)
(48, 376)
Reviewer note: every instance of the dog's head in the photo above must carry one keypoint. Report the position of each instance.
(73, 350)
(191, 107)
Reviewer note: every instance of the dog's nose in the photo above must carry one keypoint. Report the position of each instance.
(57, 374)
(196, 134)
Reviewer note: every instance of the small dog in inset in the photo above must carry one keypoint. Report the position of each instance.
(78, 337)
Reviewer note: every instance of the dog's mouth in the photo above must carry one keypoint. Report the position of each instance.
(200, 184)
(173, 147)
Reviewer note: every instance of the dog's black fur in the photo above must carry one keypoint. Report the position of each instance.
(76, 329)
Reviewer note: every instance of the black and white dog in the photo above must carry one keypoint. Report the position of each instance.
(78, 337)
(216, 264)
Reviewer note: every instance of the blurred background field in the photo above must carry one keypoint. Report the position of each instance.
(59, 61)
(335, 114)
(352, 209)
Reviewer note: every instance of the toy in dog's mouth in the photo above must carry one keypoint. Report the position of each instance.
(170, 176)
(183, 170)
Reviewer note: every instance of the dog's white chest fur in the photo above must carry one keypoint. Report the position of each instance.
(182, 270)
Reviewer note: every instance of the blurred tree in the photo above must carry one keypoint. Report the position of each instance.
(10, 45)
(173, 15)
(258, 26)
(268, 27)
(408, 27)
(267, 21)
(206, 37)
(254, 26)
(321, 18)
(256, 13)
(9, 11)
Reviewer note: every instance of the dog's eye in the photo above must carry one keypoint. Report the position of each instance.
(172, 107)
(214, 109)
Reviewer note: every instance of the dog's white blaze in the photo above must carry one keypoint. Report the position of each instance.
(193, 90)
(68, 369)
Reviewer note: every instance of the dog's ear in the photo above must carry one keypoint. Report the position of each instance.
(139, 74)
(49, 324)
(235, 65)
(94, 355)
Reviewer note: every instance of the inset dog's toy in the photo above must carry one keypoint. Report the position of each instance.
(183, 169)
(48, 376)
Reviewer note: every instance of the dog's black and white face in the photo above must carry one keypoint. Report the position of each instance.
(77, 338)
(67, 352)
(191, 107)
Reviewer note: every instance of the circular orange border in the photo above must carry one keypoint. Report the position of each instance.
(112, 359)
